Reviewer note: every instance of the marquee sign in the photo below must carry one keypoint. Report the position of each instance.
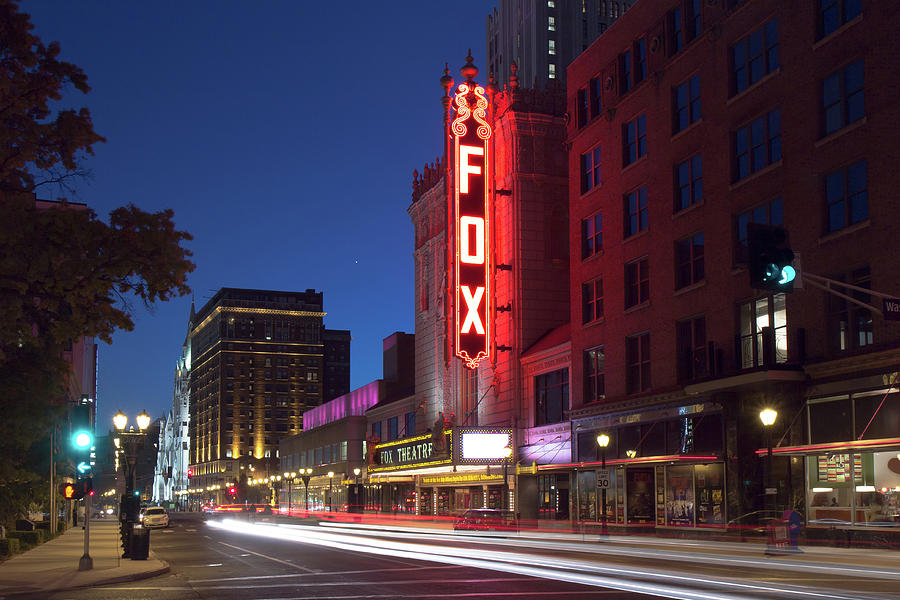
(471, 213)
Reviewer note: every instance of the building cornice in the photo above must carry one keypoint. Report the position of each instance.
(255, 311)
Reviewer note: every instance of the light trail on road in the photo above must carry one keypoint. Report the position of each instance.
(671, 585)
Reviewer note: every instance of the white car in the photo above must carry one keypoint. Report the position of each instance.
(154, 516)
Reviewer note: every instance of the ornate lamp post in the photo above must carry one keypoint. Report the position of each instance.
(305, 474)
(130, 443)
(768, 416)
(603, 442)
(289, 478)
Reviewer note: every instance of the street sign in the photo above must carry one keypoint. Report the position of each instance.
(891, 309)
(604, 479)
(83, 467)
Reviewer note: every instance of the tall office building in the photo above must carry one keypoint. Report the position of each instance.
(257, 363)
(544, 36)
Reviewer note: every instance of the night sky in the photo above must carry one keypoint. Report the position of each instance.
(283, 134)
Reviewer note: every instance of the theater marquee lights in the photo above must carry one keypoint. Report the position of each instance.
(471, 211)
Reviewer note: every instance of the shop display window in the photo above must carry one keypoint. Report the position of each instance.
(857, 489)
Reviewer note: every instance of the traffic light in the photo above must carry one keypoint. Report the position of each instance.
(86, 486)
(72, 491)
(771, 258)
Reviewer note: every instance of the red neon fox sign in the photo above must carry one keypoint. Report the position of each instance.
(471, 213)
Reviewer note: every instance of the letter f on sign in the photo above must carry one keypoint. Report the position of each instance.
(472, 304)
(465, 169)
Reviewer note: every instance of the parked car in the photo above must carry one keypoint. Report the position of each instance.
(154, 516)
(485, 519)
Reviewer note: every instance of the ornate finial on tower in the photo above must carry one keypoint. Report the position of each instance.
(513, 78)
(469, 71)
(491, 87)
(447, 84)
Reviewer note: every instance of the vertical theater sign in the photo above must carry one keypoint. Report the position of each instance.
(470, 220)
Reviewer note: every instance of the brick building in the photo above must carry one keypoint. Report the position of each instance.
(689, 121)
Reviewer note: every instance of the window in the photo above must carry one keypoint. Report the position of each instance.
(690, 348)
(409, 424)
(594, 89)
(637, 283)
(688, 182)
(591, 235)
(551, 397)
(551, 71)
(640, 60)
(625, 71)
(591, 300)
(692, 24)
(834, 13)
(594, 380)
(581, 107)
(551, 23)
(635, 205)
(590, 169)
(551, 47)
(689, 268)
(757, 144)
(846, 197)
(676, 31)
(769, 313)
(637, 363)
(393, 428)
(755, 56)
(686, 99)
(843, 101)
(634, 140)
(376, 430)
(849, 324)
(770, 213)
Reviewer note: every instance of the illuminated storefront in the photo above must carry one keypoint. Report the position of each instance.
(443, 474)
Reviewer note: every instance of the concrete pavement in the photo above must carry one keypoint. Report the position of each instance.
(53, 566)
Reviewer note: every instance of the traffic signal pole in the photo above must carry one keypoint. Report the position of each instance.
(86, 563)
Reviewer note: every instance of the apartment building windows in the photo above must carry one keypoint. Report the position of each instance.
(763, 331)
(581, 107)
(754, 57)
(637, 363)
(591, 301)
(634, 140)
(551, 397)
(769, 213)
(757, 144)
(686, 104)
(590, 169)
(551, 47)
(849, 324)
(688, 182)
(633, 65)
(637, 282)
(843, 100)
(690, 348)
(692, 24)
(676, 31)
(846, 196)
(591, 235)
(640, 60)
(594, 375)
(835, 13)
(689, 263)
(595, 97)
(635, 211)
(625, 67)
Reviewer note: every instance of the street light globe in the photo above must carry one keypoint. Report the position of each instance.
(768, 416)
(356, 471)
(143, 420)
(603, 440)
(330, 474)
(293, 474)
(286, 474)
(120, 420)
(507, 452)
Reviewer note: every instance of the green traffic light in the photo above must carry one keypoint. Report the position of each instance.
(787, 275)
(82, 439)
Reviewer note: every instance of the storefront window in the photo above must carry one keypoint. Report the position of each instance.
(710, 492)
(856, 489)
(680, 496)
(640, 496)
(588, 496)
(877, 416)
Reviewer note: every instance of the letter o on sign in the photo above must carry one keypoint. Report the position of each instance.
(469, 228)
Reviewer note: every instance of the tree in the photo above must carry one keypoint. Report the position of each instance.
(64, 273)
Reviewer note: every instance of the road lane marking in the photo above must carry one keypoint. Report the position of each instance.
(272, 558)
(325, 573)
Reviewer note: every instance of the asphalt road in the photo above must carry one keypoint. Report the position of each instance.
(236, 559)
(211, 563)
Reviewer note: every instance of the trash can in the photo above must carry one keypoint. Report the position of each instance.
(139, 543)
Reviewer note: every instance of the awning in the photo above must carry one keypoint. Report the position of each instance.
(848, 447)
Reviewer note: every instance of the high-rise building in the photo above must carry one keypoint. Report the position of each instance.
(337, 363)
(257, 361)
(543, 36)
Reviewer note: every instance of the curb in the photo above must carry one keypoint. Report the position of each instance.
(101, 583)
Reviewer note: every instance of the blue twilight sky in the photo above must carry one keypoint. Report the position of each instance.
(283, 134)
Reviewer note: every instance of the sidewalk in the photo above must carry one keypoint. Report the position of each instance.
(53, 566)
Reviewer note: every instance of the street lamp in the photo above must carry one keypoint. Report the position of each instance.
(330, 491)
(289, 478)
(305, 474)
(130, 443)
(603, 442)
(768, 416)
